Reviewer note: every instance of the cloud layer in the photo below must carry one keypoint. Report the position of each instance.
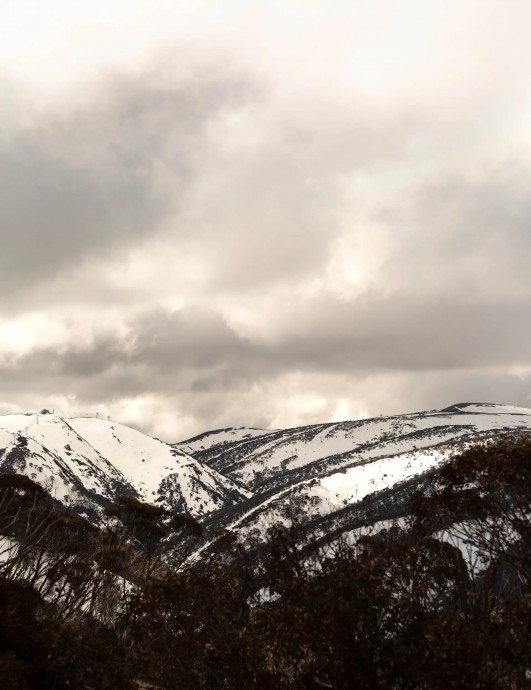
(270, 223)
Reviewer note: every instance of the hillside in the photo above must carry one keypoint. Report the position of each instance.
(396, 570)
(343, 475)
(85, 462)
(246, 479)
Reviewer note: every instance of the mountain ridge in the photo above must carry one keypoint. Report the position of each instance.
(243, 479)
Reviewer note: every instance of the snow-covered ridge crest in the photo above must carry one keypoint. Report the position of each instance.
(220, 437)
(86, 462)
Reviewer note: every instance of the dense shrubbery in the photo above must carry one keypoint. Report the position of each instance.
(88, 608)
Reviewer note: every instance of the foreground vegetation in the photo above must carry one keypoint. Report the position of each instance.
(82, 607)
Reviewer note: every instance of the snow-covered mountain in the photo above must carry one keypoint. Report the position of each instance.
(86, 462)
(245, 479)
(345, 475)
(263, 460)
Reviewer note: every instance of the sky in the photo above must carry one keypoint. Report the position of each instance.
(266, 214)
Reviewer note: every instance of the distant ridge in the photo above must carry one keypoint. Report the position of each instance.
(484, 408)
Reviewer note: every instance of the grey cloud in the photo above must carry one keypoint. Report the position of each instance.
(55, 213)
(195, 349)
(407, 333)
(166, 352)
(271, 209)
(465, 237)
(193, 363)
(188, 338)
(104, 175)
(259, 203)
(254, 189)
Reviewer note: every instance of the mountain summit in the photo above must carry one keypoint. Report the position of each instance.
(85, 462)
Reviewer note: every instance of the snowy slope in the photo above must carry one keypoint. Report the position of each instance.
(47, 449)
(340, 473)
(282, 457)
(219, 438)
(245, 479)
(87, 460)
(159, 472)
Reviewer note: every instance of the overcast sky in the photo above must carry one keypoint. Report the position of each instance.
(263, 213)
